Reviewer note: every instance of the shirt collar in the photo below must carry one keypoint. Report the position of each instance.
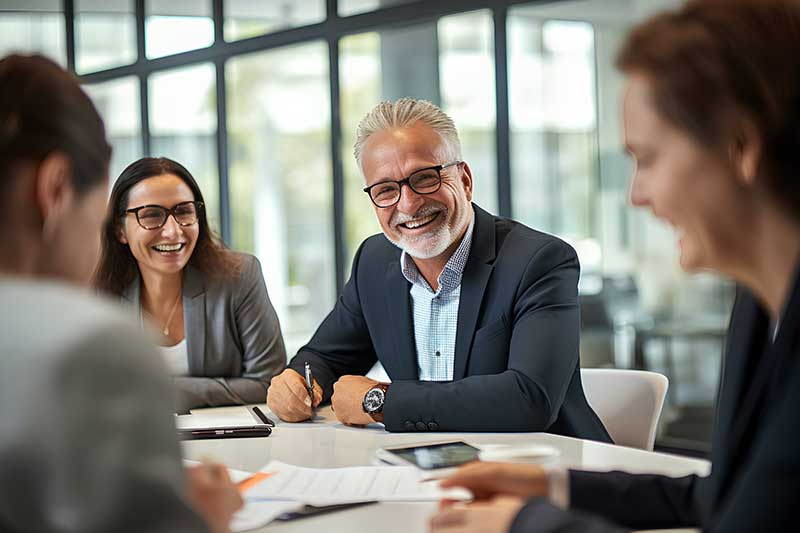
(450, 277)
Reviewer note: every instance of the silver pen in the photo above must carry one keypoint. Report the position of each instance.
(310, 383)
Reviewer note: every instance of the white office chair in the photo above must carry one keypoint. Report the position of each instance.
(628, 402)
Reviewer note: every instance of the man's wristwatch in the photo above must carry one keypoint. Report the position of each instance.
(374, 400)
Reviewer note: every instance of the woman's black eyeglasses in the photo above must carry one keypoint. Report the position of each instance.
(155, 216)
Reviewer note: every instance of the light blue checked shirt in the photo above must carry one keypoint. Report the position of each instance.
(436, 313)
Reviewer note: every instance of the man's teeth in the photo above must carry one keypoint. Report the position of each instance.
(168, 247)
(411, 224)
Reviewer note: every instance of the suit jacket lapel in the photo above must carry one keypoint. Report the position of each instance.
(786, 343)
(401, 325)
(473, 284)
(744, 403)
(132, 296)
(744, 347)
(194, 320)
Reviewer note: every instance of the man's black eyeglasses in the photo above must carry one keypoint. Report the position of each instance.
(155, 216)
(423, 181)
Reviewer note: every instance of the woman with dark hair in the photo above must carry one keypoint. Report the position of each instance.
(218, 331)
(86, 441)
(711, 114)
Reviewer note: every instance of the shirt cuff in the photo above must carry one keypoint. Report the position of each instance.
(557, 486)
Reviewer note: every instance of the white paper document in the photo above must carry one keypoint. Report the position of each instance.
(254, 513)
(328, 486)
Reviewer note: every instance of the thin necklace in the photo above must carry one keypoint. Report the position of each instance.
(171, 314)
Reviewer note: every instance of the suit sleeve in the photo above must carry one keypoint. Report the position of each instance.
(639, 501)
(100, 452)
(342, 344)
(263, 350)
(538, 516)
(543, 355)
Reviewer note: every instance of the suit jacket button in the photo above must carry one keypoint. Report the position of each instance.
(422, 426)
(433, 426)
(409, 425)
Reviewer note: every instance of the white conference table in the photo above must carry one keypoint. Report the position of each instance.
(325, 443)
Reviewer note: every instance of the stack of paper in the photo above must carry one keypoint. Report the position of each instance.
(329, 486)
(282, 488)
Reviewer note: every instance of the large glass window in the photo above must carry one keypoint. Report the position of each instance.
(449, 62)
(173, 26)
(117, 101)
(105, 34)
(553, 123)
(33, 27)
(570, 176)
(281, 179)
(183, 126)
(248, 18)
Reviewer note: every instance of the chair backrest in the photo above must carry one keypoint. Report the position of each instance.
(628, 402)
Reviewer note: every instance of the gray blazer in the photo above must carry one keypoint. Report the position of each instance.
(87, 441)
(233, 338)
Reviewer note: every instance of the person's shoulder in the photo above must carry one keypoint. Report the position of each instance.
(47, 319)
(378, 247)
(247, 265)
(47, 300)
(517, 239)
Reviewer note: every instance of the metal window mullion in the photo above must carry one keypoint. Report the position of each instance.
(502, 127)
(222, 154)
(69, 22)
(144, 96)
(144, 115)
(218, 14)
(340, 245)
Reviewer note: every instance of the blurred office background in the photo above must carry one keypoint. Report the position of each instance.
(260, 100)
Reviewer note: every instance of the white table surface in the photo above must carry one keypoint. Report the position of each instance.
(325, 443)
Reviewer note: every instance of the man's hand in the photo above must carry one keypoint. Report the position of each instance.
(494, 516)
(212, 495)
(487, 480)
(348, 400)
(287, 396)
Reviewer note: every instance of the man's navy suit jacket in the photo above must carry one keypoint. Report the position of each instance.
(516, 350)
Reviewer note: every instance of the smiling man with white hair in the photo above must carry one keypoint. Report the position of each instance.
(474, 317)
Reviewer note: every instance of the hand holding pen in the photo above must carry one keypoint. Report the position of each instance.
(291, 398)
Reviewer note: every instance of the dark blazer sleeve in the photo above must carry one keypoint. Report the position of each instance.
(639, 501)
(99, 452)
(260, 343)
(543, 356)
(341, 345)
(539, 516)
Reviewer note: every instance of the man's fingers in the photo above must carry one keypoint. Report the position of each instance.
(297, 388)
(317, 393)
(284, 402)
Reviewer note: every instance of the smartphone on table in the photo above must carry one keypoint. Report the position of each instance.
(436, 459)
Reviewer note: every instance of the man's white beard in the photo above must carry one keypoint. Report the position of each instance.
(436, 241)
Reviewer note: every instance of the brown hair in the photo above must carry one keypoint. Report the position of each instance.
(118, 268)
(43, 110)
(716, 63)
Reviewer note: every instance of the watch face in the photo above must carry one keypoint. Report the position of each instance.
(373, 401)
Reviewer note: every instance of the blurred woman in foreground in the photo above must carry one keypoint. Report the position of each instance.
(711, 115)
(87, 436)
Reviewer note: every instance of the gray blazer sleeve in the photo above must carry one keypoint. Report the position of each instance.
(259, 339)
(96, 449)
